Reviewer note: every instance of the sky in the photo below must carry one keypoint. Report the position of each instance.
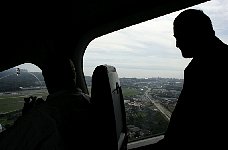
(148, 49)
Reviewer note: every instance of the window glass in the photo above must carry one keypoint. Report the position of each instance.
(150, 67)
(16, 84)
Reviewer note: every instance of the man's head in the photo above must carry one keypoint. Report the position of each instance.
(59, 74)
(193, 31)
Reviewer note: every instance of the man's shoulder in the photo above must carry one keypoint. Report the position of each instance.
(69, 98)
(36, 125)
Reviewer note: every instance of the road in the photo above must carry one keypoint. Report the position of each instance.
(162, 109)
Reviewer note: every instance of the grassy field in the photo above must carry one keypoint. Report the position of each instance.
(15, 100)
(129, 92)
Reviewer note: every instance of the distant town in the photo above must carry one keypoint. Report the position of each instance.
(149, 102)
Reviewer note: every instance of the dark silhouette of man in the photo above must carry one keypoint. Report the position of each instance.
(73, 106)
(199, 118)
(62, 122)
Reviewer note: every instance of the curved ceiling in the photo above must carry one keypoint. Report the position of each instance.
(27, 26)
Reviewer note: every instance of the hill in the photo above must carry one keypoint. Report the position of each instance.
(10, 81)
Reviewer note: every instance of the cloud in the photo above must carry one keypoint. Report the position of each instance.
(217, 10)
(30, 67)
(149, 47)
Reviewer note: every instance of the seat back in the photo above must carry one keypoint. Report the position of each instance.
(107, 98)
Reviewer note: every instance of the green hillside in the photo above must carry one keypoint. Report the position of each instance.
(10, 81)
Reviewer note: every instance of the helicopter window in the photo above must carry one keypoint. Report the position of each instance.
(16, 84)
(150, 67)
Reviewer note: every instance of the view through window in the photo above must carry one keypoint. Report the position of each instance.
(16, 84)
(150, 67)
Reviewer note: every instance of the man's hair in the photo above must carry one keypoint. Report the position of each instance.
(194, 20)
(59, 74)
